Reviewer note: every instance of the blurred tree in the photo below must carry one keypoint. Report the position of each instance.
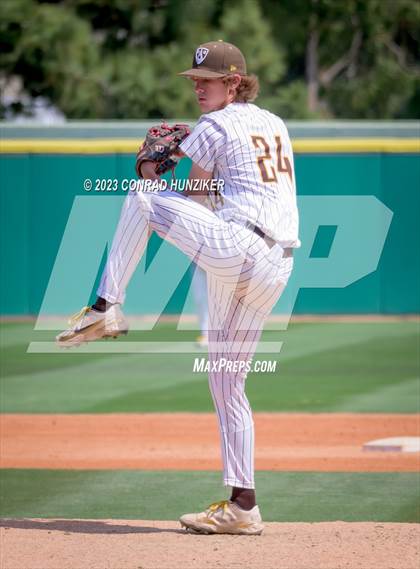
(54, 52)
(379, 75)
(358, 57)
(120, 58)
(242, 23)
(145, 84)
(121, 24)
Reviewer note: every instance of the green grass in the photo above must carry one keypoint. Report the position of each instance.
(360, 367)
(165, 495)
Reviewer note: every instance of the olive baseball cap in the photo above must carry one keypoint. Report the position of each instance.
(216, 59)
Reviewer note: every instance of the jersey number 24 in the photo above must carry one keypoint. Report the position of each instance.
(265, 161)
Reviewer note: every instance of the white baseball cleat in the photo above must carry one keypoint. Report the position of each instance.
(89, 325)
(224, 517)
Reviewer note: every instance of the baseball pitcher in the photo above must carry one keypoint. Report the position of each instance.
(243, 237)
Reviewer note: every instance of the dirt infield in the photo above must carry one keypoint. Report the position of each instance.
(319, 442)
(118, 544)
(186, 441)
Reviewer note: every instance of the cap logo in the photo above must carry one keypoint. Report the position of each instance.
(201, 54)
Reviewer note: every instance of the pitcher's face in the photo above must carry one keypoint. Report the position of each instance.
(212, 94)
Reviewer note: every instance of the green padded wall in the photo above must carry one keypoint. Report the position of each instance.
(37, 193)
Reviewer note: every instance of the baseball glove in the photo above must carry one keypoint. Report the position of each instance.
(161, 146)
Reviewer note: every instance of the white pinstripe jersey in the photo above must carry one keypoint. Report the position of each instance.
(250, 149)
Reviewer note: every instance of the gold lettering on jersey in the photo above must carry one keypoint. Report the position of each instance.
(283, 165)
(261, 144)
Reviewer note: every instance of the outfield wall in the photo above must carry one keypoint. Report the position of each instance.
(43, 170)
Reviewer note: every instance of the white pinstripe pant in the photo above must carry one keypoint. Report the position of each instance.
(245, 279)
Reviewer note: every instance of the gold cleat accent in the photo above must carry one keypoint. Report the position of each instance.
(224, 517)
(89, 325)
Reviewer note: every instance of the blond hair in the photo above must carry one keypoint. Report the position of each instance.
(247, 90)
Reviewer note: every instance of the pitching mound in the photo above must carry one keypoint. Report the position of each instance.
(119, 544)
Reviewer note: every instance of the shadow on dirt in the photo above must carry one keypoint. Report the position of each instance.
(82, 526)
